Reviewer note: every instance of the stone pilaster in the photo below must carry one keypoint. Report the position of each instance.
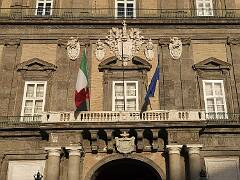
(75, 153)
(175, 169)
(194, 160)
(53, 163)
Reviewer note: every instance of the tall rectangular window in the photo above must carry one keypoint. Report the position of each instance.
(44, 7)
(125, 96)
(33, 98)
(214, 97)
(204, 7)
(125, 8)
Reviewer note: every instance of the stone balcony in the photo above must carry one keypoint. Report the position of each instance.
(111, 116)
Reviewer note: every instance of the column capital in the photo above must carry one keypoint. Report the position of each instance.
(53, 151)
(74, 150)
(194, 148)
(174, 148)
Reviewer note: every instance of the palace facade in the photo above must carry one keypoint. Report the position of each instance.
(190, 129)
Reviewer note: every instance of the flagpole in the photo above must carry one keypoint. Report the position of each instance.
(88, 102)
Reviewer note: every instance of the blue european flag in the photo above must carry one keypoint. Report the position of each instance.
(151, 88)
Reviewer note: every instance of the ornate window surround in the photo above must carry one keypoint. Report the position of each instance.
(33, 70)
(214, 69)
(112, 69)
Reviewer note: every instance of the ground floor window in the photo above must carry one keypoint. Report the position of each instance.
(222, 168)
(25, 169)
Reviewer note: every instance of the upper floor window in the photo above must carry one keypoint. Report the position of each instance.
(125, 96)
(33, 98)
(204, 7)
(44, 7)
(125, 8)
(214, 98)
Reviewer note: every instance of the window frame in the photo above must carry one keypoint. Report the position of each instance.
(214, 97)
(125, 97)
(34, 99)
(44, 7)
(202, 11)
(125, 2)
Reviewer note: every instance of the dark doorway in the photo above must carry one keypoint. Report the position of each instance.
(126, 169)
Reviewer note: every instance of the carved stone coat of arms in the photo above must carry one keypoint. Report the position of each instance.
(125, 144)
(175, 48)
(73, 48)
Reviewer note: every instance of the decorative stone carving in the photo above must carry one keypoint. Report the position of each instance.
(73, 48)
(125, 144)
(175, 47)
(124, 44)
(100, 50)
(149, 53)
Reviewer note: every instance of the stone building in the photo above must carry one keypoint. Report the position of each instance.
(190, 130)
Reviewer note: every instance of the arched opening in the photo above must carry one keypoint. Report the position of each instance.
(126, 169)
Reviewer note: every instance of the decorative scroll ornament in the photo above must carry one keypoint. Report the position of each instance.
(73, 48)
(125, 144)
(123, 43)
(100, 50)
(149, 53)
(175, 47)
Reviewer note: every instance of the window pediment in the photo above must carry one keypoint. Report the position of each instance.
(112, 63)
(212, 64)
(36, 64)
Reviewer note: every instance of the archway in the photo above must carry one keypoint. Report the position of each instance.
(126, 169)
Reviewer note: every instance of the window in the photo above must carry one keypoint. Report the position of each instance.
(33, 98)
(44, 7)
(24, 169)
(125, 96)
(125, 8)
(222, 168)
(214, 98)
(204, 7)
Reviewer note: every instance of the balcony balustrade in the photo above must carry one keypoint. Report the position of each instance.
(105, 116)
(112, 116)
(100, 13)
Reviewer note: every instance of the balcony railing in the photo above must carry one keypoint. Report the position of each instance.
(111, 116)
(223, 118)
(100, 13)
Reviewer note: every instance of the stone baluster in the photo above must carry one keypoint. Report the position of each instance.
(53, 163)
(194, 160)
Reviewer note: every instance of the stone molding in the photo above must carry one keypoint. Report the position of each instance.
(75, 150)
(166, 41)
(174, 148)
(12, 42)
(233, 41)
(194, 148)
(53, 151)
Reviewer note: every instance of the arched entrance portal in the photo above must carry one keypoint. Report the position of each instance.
(126, 169)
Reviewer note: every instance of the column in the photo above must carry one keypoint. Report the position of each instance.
(53, 163)
(75, 153)
(194, 160)
(174, 162)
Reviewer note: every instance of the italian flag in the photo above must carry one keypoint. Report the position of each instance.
(82, 91)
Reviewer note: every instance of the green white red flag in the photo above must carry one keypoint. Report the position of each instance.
(82, 91)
